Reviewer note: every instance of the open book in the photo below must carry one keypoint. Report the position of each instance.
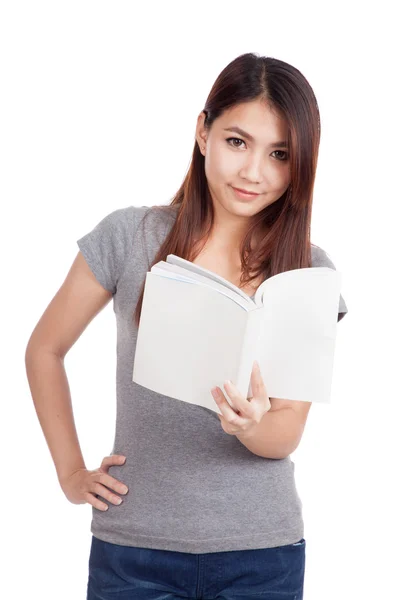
(197, 330)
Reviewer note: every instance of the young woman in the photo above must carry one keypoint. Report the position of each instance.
(189, 505)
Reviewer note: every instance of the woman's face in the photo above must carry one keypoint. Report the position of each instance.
(255, 164)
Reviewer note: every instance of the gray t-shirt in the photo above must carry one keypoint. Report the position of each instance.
(192, 487)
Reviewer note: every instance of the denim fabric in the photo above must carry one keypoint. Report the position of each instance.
(127, 573)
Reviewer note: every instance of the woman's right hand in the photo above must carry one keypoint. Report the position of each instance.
(82, 485)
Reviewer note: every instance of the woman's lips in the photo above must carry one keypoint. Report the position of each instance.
(243, 194)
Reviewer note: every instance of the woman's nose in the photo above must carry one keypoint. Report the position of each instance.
(252, 170)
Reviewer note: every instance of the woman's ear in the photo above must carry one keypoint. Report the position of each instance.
(201, 133)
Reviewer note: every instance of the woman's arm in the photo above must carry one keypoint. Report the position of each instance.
(279, 432)
(77, 302)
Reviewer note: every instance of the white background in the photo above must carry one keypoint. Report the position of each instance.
(98, 108)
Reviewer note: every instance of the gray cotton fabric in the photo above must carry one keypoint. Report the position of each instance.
(192, 487)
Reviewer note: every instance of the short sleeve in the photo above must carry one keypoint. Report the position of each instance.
(106, 247)
(321, 259)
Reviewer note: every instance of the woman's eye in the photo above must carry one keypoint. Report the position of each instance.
(283, 152)
(235, 139)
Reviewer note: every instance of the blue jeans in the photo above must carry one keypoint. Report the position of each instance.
(129, 573)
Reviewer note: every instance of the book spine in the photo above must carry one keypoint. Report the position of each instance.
(249, 351)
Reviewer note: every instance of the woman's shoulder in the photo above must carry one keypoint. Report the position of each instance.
(156, 219)
(128, 219)
(320, 258)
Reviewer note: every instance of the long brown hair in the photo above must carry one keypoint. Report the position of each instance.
(284, 225)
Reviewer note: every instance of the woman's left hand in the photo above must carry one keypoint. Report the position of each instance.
(249, 412)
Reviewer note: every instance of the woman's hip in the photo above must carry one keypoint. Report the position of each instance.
(127, 572)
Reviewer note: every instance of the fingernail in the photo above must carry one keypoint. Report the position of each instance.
(214, 392)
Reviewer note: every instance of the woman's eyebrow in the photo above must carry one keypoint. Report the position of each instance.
(240, 131)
